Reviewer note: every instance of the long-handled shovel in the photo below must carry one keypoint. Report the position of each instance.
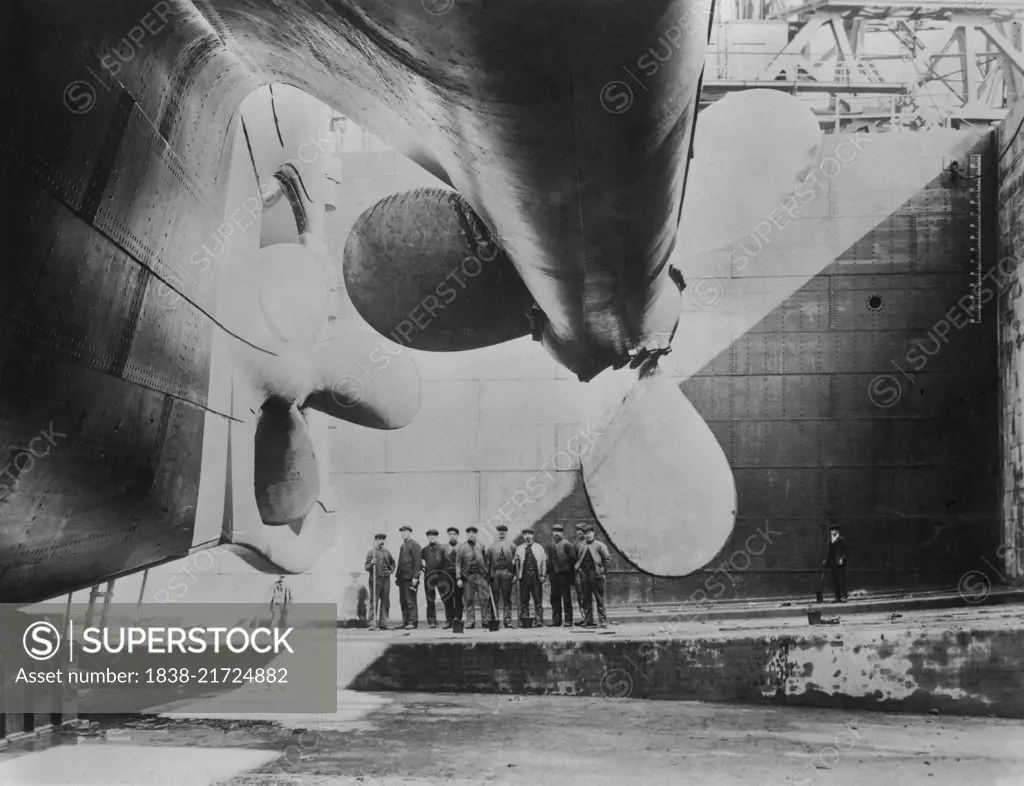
(494, 623)
(821, 583)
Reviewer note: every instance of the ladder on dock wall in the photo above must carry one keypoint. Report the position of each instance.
(21, 725)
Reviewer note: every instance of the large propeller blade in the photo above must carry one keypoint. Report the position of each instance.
(657, 478)
(285, 474)
(364, 380)
(278, 303)
(751, 150)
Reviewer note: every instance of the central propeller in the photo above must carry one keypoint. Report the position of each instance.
(422, 269)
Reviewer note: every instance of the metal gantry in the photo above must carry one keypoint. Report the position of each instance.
(865, 64)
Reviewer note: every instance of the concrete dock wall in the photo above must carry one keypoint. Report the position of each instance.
(959, 672)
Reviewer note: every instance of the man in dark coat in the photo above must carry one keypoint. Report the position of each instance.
(450, 594)
(435, 579)
(407, 577)
(471, 579)
(380, 565)
(561, 571)
(835, 561)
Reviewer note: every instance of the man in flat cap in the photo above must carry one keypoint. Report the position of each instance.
(532, 572)
(453, 596)
(380, 565)
(407, 577)
(435, 579)
(471, 578)
(500, 556)
(561, 571)
(577, 579)
(592, 562)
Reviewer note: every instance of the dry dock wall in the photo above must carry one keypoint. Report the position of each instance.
(958, 672)
(1010, 172)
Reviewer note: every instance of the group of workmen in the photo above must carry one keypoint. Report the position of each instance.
(468, 575)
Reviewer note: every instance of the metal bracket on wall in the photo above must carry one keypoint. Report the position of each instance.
(974, 173)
